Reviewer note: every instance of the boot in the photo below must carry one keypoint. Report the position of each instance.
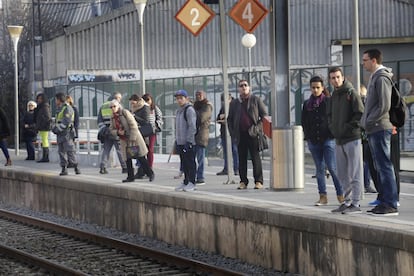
(8, 162)
(130, 177)
(77, 171)
(341, 199)
(64, 171)
(45, 156)
(323, 200)
(140, 173)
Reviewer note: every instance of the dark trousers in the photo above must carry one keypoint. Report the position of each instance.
(143, 164)
(28, 140)
(248, 144)
(188, 163)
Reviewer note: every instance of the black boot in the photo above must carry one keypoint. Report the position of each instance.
(64, 171)
(140, 173)
(45, 156)
(77, 171)
(130, 169)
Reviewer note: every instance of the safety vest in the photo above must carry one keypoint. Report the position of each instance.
(60, 115)
(106, 111)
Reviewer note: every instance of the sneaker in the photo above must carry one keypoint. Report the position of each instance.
(370, 190)
(258, 185)
(373, 209)
(398, 204)
(352, 209)
(340, 209)
(223, 172)
(181, 187)
(384, 211)
(242, 186)
(200, 182)
(374, 203)
(189, 187)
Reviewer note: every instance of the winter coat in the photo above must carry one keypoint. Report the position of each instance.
(132, 135)
(43, 117)
(344, 114)
(315, 123)
(378, 103)
(203, 110)
(28, 119)
(256, 110)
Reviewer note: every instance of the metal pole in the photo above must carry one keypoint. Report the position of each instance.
(224, 54)
(355, 48)
(16, 100)
(250, 65)
(142, 77)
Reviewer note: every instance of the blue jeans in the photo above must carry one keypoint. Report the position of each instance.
(324, 157)
(3, 146)
(200, 153)
(380, 145)
(235, 155)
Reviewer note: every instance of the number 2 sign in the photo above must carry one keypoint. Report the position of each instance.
(194, 16)
(248, 14)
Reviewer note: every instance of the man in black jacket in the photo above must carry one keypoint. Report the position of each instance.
(245, 124)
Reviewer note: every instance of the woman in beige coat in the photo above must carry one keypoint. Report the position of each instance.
(124, 125)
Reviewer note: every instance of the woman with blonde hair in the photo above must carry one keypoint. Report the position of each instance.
(123, 124)
(29, 130)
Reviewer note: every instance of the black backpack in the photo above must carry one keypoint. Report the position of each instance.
(398, 107)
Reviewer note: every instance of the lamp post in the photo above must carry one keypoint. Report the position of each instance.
(248, 41)
(140, 6)
(15, 32)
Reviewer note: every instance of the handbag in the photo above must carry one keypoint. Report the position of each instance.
(146, 130)
(262, 142)
(132, 152)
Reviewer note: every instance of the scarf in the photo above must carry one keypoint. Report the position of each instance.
(314, 102)
(118, 125)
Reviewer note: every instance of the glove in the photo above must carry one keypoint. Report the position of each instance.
(187, 147)
(55, 130)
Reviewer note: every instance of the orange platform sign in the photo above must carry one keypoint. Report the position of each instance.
(248, 14)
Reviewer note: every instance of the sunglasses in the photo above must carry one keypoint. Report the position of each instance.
(243, 85)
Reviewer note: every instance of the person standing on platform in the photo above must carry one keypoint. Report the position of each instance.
(109, 140)
(29, 130)
(185, 130)
(124, 125)
(366, 153)
(69, 100)
(320, 140)
(142, 114)
(344, 114)
(377, 125)
(65, 133)
(43, 120)
(221, 119)
(245, 114)
(156, 122)
(203, 109)
(4, 133)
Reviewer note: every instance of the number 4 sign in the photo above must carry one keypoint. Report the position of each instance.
(194, 16)
(248, 14)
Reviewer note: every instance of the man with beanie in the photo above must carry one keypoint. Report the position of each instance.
(185, 130)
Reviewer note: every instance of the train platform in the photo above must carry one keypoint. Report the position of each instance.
(167, 166)
(286, 230)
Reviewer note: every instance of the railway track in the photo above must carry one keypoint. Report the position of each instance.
(46, 248)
